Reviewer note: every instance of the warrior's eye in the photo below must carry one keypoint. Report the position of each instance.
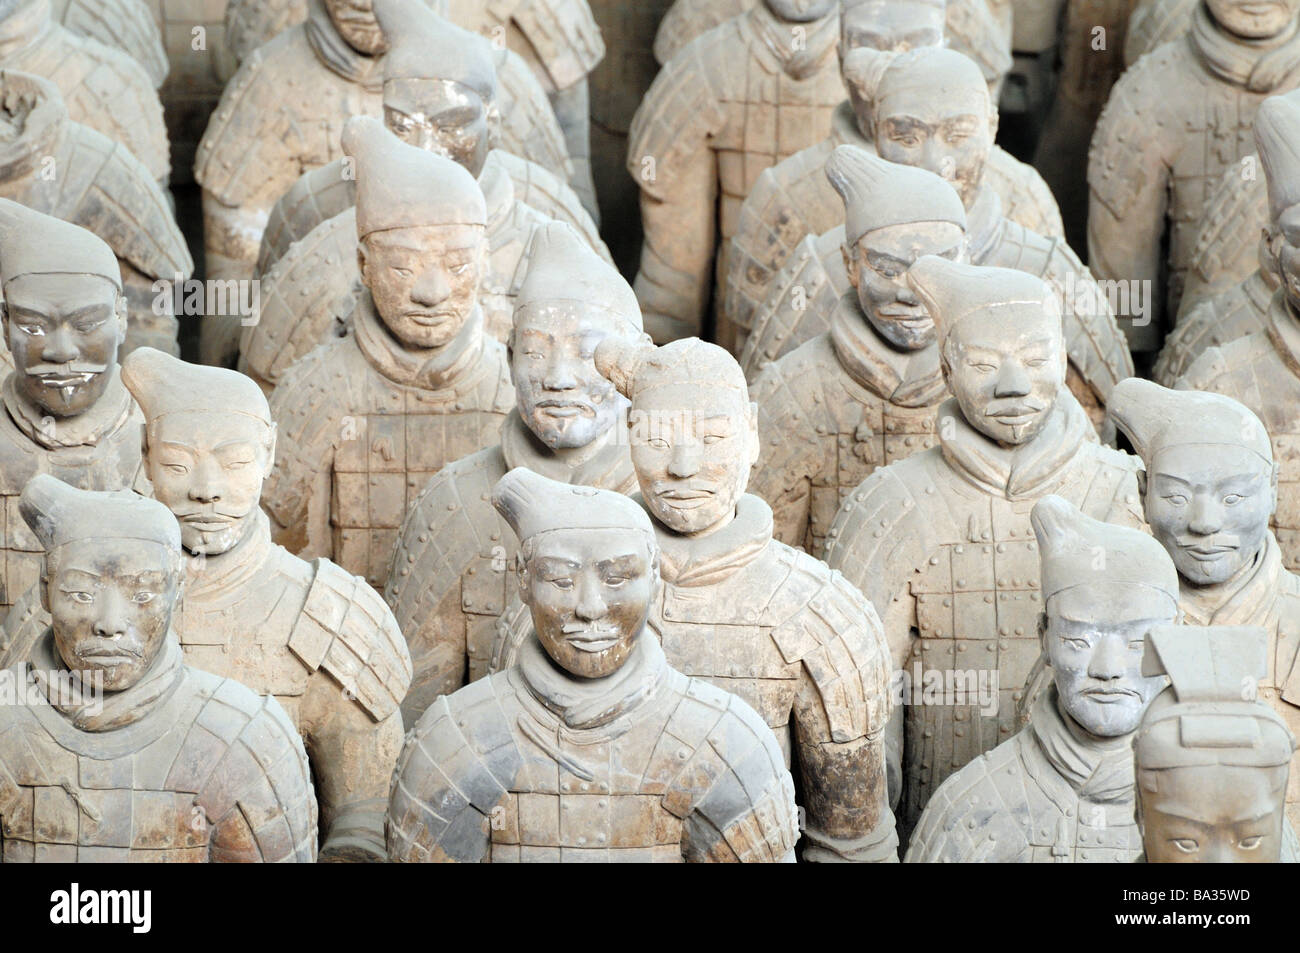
(1233, 498)
(34, 330)
(659, 443)
(561, 583)
(1177, 499)
(1250, 843)
(84, 598)
(143, 597)
(1186, 844)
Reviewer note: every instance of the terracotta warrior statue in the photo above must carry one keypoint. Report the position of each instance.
(1062, 789)
(793, 200)
(592, 747)
(864, 393)
(67, 413)
(1242, 308)
(1211, 760)
(941, 542)
(942, 90)
(1148, 178)
(367, 419)
(120, 751)
(60, 167)
(440, 92)
(447, 583)
(1209, 490)
(125, 25)
(104, 88)
(311, 79)
(738, 100)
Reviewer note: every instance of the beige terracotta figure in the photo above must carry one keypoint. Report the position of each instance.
(806, 291)
(103, 88)
(66, 411)
(367, 419)
(312, 78)
(125, 25)
(118, 750)
(736, 101)
(592, 747)
(439, 94)
(1062, 789)
(1209, 490)
(1211, 760)
(864, 393)
(941, 542)
(1151, 180)
(447, 584)
(1225, 250)
(793, 200)
(1242, 308)
(1154, 23)
(62, 168)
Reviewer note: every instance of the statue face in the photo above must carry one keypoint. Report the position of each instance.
(424, 279)
(589, 593)
(1094, 641)
(1253, 19)
(561, 396)
(1212, 814)
(442, 117)
(896, 25)
(1209, 506)
(878, 271)
(800, 11)
(356, 23)
(692, 447)
(949, 135)
(111, 603)
(63, 332)
(1006, 372)
(208, 468)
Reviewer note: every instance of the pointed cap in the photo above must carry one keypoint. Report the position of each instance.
(58, 513)
(162, 385)
(1277, 134)
(424, 45)
(533, 504)
(878, 193)
(952, 292)
(1155, 417)
(635, 367)
(562, 267)
(32, 243)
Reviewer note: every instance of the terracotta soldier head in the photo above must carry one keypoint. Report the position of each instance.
(1104, 587)
(800, 11)
(1277, 134)
(1212, 760)
(440, 84)
(899, 25)
(570, 301)
(422, 236)
(1251, 20)
(1210, 484)
(894, 215)
(928, 108)
(111, 577)
(356, 23)
(588, 568)
(64, 312)
(1001, 344)
(209, 445)
(694, 430)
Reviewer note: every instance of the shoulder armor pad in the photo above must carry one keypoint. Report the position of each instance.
(346, 630)
(317, 196)
(688, 19)
(981, 798)
(1026, 198)
(1229, 229)
(544, 191)
(1154, 23)
(126, 25)
(565, 35)
(973, 31)
(528, 123)
(1208, 372)
(250, 23)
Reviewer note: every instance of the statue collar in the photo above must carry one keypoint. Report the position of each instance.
(1244, 600)
(42, 133)
(593, 702)
(609, 467)
(498, 191)
(904, 378)
(818, 45)
(709, 560)
(984, 221)
(1260, 66)
(113, 709)
(25, 27)
(1015, 473)
(1098, 769)
(211, 577)
(104, 417)
(441, 368)
(336, 55)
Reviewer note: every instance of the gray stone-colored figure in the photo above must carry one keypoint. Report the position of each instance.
(1150, 180)
(366, 420)
(1242, 308)
(866, 392)
(1062, 790)
(68, 170)
(941, 542)
(1212, 761)
(592, 747)
(448, 582)
(119, 751)
(103, 87)
(1154, 23)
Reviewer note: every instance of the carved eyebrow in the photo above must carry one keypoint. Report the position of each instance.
(628, 561)
(558, 562)
(906, 121)
(884, 258)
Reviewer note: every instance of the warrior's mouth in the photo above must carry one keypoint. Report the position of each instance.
(1109, 696)
(592, 638)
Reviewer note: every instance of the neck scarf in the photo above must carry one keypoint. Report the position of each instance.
(104, 417)
(1261, 66)
(904, 378)
(1098, 769)
(708, 560)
